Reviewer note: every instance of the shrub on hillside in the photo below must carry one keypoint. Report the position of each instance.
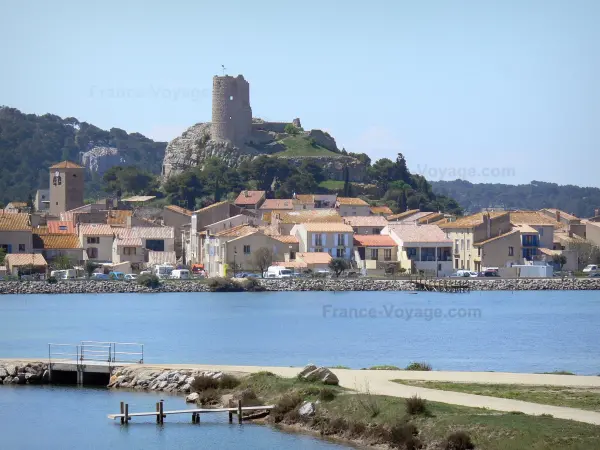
(252, 285)
(148, 280)
(209, 397)
(459, 440)
(52, 280)
(404, 436)
(415, 405)
(284, 405)
(224, 285)
(228, 382)
(419, 366)
(326, 394)
(203, 383)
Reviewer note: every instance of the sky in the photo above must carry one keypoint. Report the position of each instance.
(502, 91)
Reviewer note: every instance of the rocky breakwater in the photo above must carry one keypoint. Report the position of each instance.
(98, 287)
(534, 284)
(17, 372)
(336, 284)
(164, 380)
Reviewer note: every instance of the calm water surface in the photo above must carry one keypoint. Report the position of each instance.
(36, 417)
(506, 331)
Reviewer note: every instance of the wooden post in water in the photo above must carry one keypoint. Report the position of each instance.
(126, 413)
(161, 408)
(230, 412)
(239, 411)
(157, 413)
(122, 412)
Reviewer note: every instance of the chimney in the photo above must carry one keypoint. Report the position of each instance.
(487, 224)
(246, 194)
(570, 234)
(557, 215)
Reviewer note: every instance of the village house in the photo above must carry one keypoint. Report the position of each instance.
(250, 199)
(42, 200)
(348, 206)
(97, 241)
(16, 207)
(422, 248)
(313, 261)
(133, 244)
(284, 221)
(15, 233)
(52, 246)
(571, 223)
(381, 211)
(275, 204)
(178, 218)
(372, 250)
(333, 238)
(366, 224)
(26, 264)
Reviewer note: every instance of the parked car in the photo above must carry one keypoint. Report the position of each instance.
(131, 277)
(100, 276)
(489, 273)
(594, 275)
(591, 268)
(277, 272)
(116, 275)
(464, 274)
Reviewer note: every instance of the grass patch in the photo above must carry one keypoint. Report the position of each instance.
(572, 397)
(423, 366)
(416, 406)
(384, 368)
(302, 146)
(558, 372)
(339, 367)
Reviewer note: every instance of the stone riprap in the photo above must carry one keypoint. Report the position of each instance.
(165, 380)
(21, 372)
(303, 284)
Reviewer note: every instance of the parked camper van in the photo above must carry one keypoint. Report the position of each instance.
(163, 271)
(277, 272)
(180, 274)
(67, 274)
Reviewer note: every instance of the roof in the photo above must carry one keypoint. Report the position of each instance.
(314, 257)
(278, 203)
(563, 236)
(139, 198)
(306, 216)
(95, 229)
(549, 252)
(240, 230)
(532, 218)
(472, 220)
(56, 241)
(495, 238)
(366, 221)
(373, 240)
(305, 198)
(179, 209)
(403, 215)
(24, 259)
(527, 229)
(118, 216)
(328, 227)
(129, 242)
(14, 221)
(419, 233)
(293, 264)
(249, 197)
(563, 215)
(429, 218)
(17, 204)
(381, 210)
(61, 227)
(145, 232)
(66, 165)
(209, 207)
(286, 238)
(352, 201)
(161, 258)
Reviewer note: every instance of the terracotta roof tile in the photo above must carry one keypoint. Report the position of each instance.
(314, 257)
(95, 229)
(56, 241)
(60, 227)
(403, 215)
(179, 209)
(118, 216)
(129, 242)
(14, 221)
(495, 238)
(66, 165)
(305, 198)
(249, 197)
(366, 221)
(532, 218)
(286, 239)
(353, 201)
(419, 233)
(327, 227)
(24, 259)
(145, 232)
(563, 215)
(472, 220)
(278, 203)
(385, 210)
(373, 240)
(240, 230)
(306, 216)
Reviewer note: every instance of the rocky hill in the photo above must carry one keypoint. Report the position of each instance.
(276, 139)
(30, 144)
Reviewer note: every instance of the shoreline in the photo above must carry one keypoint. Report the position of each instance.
(302, 285)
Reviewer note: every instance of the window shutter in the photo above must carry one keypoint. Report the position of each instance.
(323, 239)
(336, 240)
(314, 239)
(346, 240)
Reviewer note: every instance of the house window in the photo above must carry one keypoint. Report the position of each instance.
(428, 254)
(93, 240)
(456, 263)
(340, 252)
(246, 249)
(318, 240)
(468, 265)
(456, 246)
(478, 251)
(62, 227)
(511, 251)
(462, 244)
(92, 252)
(541, 231)
(375, 253)
(387, 254)
(21, 247)
(157, 245)
(319, 249)
(411, 252)
(468, 244)
(129, 250)
(376, 231)
(340, 239)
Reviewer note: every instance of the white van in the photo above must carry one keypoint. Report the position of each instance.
(163, 271)
(67, 274)
(591, 268)
(278, 272)
(180, 274)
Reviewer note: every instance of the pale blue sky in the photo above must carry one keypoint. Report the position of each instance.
(495, 91)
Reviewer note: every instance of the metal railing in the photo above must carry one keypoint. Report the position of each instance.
(97, 351)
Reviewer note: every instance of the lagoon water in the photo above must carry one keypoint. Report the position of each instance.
(56, 418)
(533, 331)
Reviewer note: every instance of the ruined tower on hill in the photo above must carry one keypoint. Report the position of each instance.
(231, 111)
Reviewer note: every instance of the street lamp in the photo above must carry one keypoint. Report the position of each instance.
(234, 254)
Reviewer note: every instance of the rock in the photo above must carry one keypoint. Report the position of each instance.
(18, 379)
(320, 374)
(32, 378)
(3, 372)
(192, 398)
(46, 376)
(11, 370)
(323, 139)
(100, 159)
(307, 369)
(162, 384)
(308, 409)
(7, 380)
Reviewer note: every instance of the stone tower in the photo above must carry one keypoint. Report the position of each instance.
(231, 111)
(66, 187)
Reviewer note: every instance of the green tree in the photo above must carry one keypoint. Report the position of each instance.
(560, 260)
(262, 259)
(184, 188)
(30, 204)
(291, 129)
(338, 265)
(90, 267)
(61, 262)
(311, 167)
(347, 192)
(2, 255)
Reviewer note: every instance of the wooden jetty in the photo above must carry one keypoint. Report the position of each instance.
(441, 285)
(160, 413)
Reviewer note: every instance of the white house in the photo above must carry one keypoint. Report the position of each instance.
(333, 238)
